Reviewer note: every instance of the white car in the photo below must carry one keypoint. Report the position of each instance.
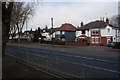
(110, 44)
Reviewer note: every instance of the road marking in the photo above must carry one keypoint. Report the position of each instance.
(72, 56)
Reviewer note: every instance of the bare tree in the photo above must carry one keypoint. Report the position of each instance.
(6, 18)
(115, 20)
(119, 20)
(21, 13)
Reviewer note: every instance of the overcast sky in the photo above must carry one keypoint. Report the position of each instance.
(71, 12)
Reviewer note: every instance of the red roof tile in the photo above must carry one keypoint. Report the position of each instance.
(67, 27)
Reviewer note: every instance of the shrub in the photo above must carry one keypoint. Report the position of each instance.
(84, 40)
(101, 45)
(87, 44)
(58, 41)
(116, 45)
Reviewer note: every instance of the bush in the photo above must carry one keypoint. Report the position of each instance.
(84, 40)
(116, 45)
(101, 45)
(58, 41)
(87, 44)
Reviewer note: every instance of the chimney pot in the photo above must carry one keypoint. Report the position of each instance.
(82, 24)
(107, 21)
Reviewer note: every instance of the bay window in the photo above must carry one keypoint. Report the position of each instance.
(95, 40)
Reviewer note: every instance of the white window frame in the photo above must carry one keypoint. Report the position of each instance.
(95, 40)
(95, 32)
(63, 32)
(92, 39)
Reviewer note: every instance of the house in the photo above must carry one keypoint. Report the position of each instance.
(48, 34)
(24, 36)
(29, 34)
(98, 33)
(66, 32)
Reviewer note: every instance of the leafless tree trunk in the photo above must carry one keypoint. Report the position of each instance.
(6, 18)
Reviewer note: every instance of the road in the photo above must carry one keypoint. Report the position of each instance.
(70, 60)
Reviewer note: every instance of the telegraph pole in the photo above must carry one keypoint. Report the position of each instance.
(52, 29)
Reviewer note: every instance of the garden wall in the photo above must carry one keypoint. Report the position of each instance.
(76, 44)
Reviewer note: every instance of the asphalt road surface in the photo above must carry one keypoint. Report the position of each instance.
(97, 61)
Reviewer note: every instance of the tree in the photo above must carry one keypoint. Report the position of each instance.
(21, 13)
(115, 20)
(14, 20)
(6, 18)
(37, 35)
(119, 20)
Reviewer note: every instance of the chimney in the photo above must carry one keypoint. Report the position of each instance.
(31, 30)
(46, 27)
(77, 26)
(81, 24)
(107, 21)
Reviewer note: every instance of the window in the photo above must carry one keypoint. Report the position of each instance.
(94, 32)
(83, 31)
(95, 40)
(63, 39)
(92, 40)
(108, 30)
(63, 32)
(57, 32)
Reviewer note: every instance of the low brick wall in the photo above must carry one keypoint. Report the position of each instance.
(75, 43)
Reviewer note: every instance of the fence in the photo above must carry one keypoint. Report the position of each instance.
(71, 67)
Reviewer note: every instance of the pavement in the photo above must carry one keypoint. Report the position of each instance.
(13, 69)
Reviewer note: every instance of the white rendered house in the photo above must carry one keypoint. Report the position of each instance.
(99, 33)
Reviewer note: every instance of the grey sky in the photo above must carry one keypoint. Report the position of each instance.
(71, 12)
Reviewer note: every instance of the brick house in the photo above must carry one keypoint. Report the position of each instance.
(67, 32)
(98, 33)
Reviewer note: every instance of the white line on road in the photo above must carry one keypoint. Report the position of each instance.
(73, 56)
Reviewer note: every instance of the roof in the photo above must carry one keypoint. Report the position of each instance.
(50, 30)
(93, 25)
(53, 30)
(67, 27)
(29, 31)
(83, 35)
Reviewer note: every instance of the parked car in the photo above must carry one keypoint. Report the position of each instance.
(110, 44)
